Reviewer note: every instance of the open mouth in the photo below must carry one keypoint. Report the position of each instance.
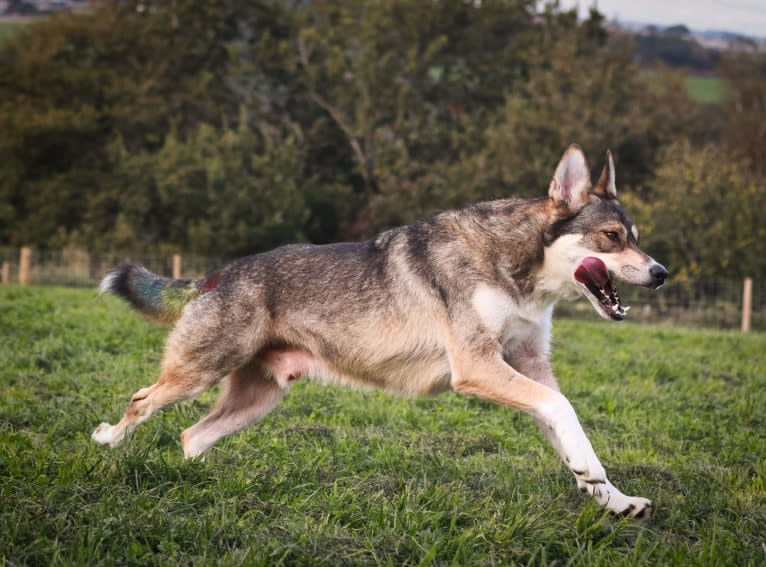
(599, 288)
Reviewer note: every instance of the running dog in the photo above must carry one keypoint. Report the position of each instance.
(459, 301)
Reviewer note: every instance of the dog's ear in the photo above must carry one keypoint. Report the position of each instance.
(606, 186)
(571, 183)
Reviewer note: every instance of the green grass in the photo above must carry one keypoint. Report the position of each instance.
(7, 30)
(337, 477)
(706, 89)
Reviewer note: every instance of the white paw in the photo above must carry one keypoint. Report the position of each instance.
(193, 446)
(106, 434)
(609, 497)
(191, 452)
(637, 507)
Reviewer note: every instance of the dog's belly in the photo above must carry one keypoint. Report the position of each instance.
(406, 374)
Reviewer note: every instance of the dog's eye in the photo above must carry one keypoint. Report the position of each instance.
(611, 235)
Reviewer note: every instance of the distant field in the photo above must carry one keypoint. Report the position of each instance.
(7, 29)
(336, 477)
(706, 89)
(700, 88)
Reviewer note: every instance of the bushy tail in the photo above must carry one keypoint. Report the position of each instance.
(153, 295)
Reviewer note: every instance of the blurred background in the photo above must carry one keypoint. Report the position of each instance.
(181, 133)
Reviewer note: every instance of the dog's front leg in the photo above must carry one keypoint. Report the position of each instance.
(533, 362)
(478, 369)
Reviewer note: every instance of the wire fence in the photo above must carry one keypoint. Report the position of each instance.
(79, 268)
(714, 303)
(708, 302)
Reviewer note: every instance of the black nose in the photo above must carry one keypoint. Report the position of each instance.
(659, 273)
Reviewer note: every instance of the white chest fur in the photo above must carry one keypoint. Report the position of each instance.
(512, 322)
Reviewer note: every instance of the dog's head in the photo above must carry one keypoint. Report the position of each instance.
(591, 241)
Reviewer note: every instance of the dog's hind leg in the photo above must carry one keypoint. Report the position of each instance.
(249, 395)
(198, 355)
(177, 382)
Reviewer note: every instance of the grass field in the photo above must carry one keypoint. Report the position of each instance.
(339, 477)
(706, 89)
(8, 29)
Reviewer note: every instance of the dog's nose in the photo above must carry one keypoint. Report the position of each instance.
(659, 273)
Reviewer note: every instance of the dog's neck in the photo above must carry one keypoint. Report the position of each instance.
(510, 238)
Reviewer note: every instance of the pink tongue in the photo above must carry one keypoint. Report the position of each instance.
(592, 270)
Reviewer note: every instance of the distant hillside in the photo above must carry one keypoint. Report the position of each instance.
(679, 47)
(38, 7)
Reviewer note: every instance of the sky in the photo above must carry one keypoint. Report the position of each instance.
(747, 17)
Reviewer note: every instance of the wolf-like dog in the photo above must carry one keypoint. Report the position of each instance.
(459, 301)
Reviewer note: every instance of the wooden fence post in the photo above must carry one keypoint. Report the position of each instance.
(6, 273)
(25, 261)
(747, 304)
(176, 266)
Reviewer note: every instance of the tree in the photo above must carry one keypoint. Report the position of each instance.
(72, 83)
(226, 128)
(704, 215)
(584, 87)
(745, 105)
(403, 87)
